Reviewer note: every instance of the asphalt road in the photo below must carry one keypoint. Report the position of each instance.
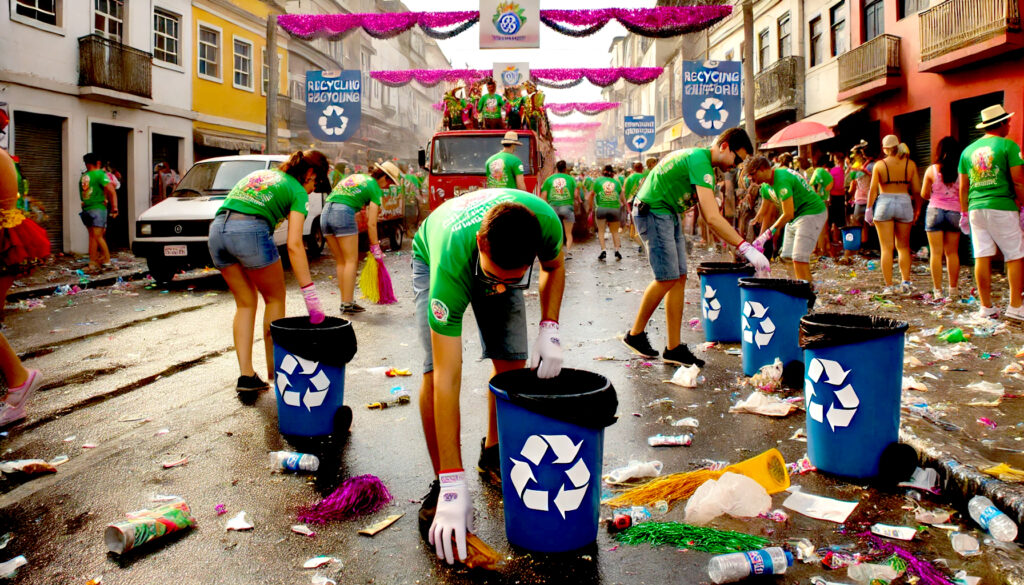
(146, 376)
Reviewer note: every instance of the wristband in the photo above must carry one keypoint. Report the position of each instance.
(452, 470)
(549, 321)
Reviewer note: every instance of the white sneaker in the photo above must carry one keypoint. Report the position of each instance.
(984, 312)
(888, 291)
(1017, 314)
(937, 294)
(906, 287)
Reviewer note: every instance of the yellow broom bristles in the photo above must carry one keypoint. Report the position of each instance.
(671, 488)
(369, 282)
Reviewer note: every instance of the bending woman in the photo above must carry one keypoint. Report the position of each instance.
(894, 188)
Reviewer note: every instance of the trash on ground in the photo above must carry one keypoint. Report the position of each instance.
(818, 507)
(686, 376)
(27, 467)
(303, 530)
(396, 372)
(9, 569)
(768, 378)
(317, 562)
(890, 531)
(733, 494)
(481, 556)
(804, 549)
(801, 466)
(660, 440)
(1005, 473)
(687, 422)
(964, 544)
(634, 470)
(925, 479)
(179, 462)
(145, 525)
(291, 461)
(987, 387)
(912, 383)
(925, 516)
(686, 536)
(734, 567)
(661, 401)
(764, 404)
(376, 527)
(356, 496)
(991, 518)
(239, 523)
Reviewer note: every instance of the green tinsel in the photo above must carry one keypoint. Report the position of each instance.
(691, 537)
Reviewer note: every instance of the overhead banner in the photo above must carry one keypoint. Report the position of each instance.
(333, 104)
(511, 74)
(711, 96)
(509, 25)
(638, 132)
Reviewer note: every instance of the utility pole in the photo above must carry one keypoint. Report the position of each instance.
(748, 69)
(272, 83)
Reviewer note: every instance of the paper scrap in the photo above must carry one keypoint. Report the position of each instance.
(890, 531)
(924, 479)
(373, 529)
(317, 562)
(818, 507)
(303, 530)
(761, 403)
(239, 522)
(10, 568)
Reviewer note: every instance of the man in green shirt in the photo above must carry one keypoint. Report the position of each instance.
(491, 105)
(96, 192)
(559, 190)
(479, 250)
(505, 169)
(633, 181)
(681, 180)
(992, 190)
(607, 202)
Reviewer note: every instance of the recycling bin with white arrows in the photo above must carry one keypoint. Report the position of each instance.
(720, 299)
(851, 237)
(309, 374)
(852, 387)
(551, 444)
(770, 312)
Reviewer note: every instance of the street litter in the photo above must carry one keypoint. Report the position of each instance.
(933, 517)
(6, 539)
(897, 532)
(356, 496)
(804, 549)
(964, 544)
(872, 573)
(89, 445)
(687, 422)
(317, 562)
(685, 536)
(1005, 472)
(962, 578)
(733, 494)
(768, 378)
(9, 569)
(373, 529)
(291, 461)
(664, 401)
(220, 509)
(734, 567)
(239, 523)
(161, 498)
(987, 387)
(924, 479)
(396, 372)
(481, 556)
(303, 530)
(801, 466)
(818, 507)
(685, 376)
(634, 470)
(319, 579)
(170, 464)
(161, 432)
(27, 467)
(760, 403)
(146, 525)
(660, 440)
(987, 422)
(910, 383)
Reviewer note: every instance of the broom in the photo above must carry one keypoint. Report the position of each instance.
(375, 282)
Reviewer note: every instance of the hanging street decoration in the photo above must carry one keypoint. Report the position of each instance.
(711, 96)
(575, 127)
(638, 132)
(333, 107)
(585, 108)
(510, 25)
(555, 78)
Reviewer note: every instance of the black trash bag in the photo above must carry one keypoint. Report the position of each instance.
(725, 268)
(800, 289)
(578, 397)
(831, 329)
(332, 342)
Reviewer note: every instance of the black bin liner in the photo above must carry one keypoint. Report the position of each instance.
(725, 268)
(832, 329)
(332, 342)
(578, 397)
(800, 289)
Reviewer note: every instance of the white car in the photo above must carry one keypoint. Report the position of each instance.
(172, 235)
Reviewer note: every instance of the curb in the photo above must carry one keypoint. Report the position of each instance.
(47, 289)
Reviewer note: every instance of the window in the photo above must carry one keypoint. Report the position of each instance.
(243, 64)
(911, 7)
(108, 18)
(209, 53)
(840, 41)
(817, 42)
(763, 50)
(785, 36)
(45, 11)
(874, 19)
(166, 37)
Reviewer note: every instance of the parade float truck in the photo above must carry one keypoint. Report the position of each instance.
(455, 161)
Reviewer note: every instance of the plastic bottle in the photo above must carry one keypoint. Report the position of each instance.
(871, 573)
(290, 461)
(738, 566)
(990, 518)
(670, 440)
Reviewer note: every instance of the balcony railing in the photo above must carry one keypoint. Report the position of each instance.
(875, 59)
(778, 86)
(112, 65)
(955, 24)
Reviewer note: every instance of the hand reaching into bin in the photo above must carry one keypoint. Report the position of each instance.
(316, 312)
(756, 258)
(453, 518)
(547, 351)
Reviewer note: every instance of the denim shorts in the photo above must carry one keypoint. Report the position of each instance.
(858, 212)
(607, 214)
(565, 213)
(662, 235)
(96, 218)
(338, 219)
(237, 238)
(894, 207)
(500, 319)
(941, 220)
(801, 234)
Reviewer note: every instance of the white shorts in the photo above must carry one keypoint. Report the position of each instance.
(996, 228)
(801, 236)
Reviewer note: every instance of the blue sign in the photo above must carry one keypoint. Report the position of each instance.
(639, 132)
(333, 106)
(605, 148)
(711, 96)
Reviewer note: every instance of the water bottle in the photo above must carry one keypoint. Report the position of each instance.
(990, 518)
(738, 566)
(290, 461)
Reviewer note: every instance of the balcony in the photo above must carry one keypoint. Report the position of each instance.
(871, 68)
(779, 87)
(111, 72)
(956, 33)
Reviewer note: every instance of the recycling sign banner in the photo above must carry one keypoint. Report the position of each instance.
(333, 104)
(826, 377)
(511, 74)
(638, 132)
(711, 96)
(509, 25)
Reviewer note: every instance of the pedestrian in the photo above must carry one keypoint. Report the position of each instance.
(338, 172)
(629, 190)
(895, 190)
(837, 198)
(505, 169)
(941, 189)
(992, 190)
(607, 195)
(681, 180)
(338, 222)
(478, 250)
(821, 181)
(491, 105)
(860, 184)
(801, 212)
(242, 248)
(97, 194)
(559, 190)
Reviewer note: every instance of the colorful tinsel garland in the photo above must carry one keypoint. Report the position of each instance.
(557, 78)
(686, 536)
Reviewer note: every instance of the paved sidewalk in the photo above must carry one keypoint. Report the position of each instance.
(69, 269)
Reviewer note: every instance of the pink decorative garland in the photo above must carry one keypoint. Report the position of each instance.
(556, 78)
(585, 108)
(577, 127)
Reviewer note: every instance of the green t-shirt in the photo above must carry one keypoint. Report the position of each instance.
(270, 194)
(821, 180)
(606, 192)
(413, 182)
(356, 191)
(92, 184)
(987, 163)
(588, 184)
(633, 185)
(559, 189)
(502, 170)
(447, 243)
(671, 186)
(788, 184)
(489, 105)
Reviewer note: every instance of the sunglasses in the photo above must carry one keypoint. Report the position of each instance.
(490, 280)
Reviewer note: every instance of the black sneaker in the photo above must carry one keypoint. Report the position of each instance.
(617, 255)
(681, 356)
(640, 344)
(350, 308)
(603, 255)
(489, 464)
(251, 383)
(428, 508)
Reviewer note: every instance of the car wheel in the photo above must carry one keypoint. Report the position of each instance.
(161, 272)
(315, 241)
(395, 238)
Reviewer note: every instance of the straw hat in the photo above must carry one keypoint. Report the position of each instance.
(992, 116)
(510, 138)
(390, 169)
(890, 141)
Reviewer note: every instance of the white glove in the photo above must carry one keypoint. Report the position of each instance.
(760, 241)
(756, 258)
(965, 223)
(454, 516)
(547, 351)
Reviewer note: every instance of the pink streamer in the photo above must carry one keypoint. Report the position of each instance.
(585, 108)
(576, 127)
(387, 291)
(928, 573)
(559, 78)
(356, 496)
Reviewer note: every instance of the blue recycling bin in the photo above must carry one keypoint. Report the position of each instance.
(309, 373)
(852, 386)
(720, 299)
(770, 312)
(551, 444)
(851, 237)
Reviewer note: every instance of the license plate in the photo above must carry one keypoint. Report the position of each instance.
(176, 250)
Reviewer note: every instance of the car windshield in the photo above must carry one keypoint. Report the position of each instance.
(218, 177)
(467, 155)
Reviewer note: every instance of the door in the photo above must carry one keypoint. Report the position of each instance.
(38, 143)
(165, 150)
(874, 19)
(915, 130)
(111, 144)
(967, 115)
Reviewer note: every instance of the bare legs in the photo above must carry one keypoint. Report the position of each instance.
(886, 243)
(345, 250)
(944, 244)
(655, 292)
(567, 230)
(244, 284)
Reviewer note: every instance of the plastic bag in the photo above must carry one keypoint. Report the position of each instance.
(733, 494)
(686, 376)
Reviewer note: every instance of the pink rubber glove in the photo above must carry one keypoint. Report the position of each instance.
(377, 252)
(762, 239)
(316, 313)
(965, 223)
(869, 216)
(756, 258)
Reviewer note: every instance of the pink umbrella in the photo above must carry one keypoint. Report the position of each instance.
(798, 134)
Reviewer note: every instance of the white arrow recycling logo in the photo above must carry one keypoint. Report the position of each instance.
(702, 113)
(834, 375)
(639, 141)
(324, 122)
(565, 452)
(763, 336)
(319, 384)
(710, 305)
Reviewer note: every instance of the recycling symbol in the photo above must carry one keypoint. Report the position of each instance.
(762, 335)
(565, 451)
(834, 375)
(332, 122)
(718, 116)
(710, 306)
(314, 394)
(639, 141)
